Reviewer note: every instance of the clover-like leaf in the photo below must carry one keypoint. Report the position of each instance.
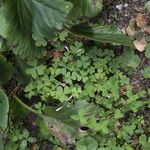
(88, 143)
(146, 72)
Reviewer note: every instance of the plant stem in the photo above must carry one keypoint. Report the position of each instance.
(26, 106)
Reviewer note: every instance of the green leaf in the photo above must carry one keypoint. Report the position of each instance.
(118, 114)
(64, 132)
(143, 140)
(61, 125)
(23, 145)
(101, 33)
(146, 72)
(88, 143)
(32, 139)
(6, 70)
(48, 16)
(3, 24)
(4, 108)
(38, 19)
(147, 6)
(85, 8)
(147, 51)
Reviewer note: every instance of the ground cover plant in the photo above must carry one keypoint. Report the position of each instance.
(70, 81)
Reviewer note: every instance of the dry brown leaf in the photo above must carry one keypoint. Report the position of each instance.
(130, 31)
(123, 30)
(122, 91)
(56, 54)
(141, 20)
(140, 44)
(117, 126)
(35, 147)
(147, 29)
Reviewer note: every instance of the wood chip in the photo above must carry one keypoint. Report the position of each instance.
(140, 44)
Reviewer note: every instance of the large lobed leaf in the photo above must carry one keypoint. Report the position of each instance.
(60, 124)
(4, 108)
(101, 33)
(40, 18)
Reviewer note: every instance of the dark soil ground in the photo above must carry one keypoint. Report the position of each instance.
(121, 11)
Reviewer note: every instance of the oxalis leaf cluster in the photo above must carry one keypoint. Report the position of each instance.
(94, 77)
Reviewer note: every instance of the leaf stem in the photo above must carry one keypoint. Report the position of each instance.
(26, 106)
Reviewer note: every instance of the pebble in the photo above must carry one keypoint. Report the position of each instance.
(119, 7)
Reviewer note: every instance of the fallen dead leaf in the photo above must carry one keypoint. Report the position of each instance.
(122, 91)
(56, 54)
(123, 30)
(147, 29)
(141, 20)
(35, 147)
(130, 31)
(140, 44)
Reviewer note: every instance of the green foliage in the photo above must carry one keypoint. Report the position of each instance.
(93, 76)
(87, 68)
(19, 139)
(147, 6)
(6, 70)
(85, 8)
(83, 97)
(87, 143)
(28, 25)
(102, 33)
(146, 72)
(4, 108)
(145, 142)
(147, 51)
(33, 21)
(57, 122)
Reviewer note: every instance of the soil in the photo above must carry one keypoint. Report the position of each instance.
(121, 11)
